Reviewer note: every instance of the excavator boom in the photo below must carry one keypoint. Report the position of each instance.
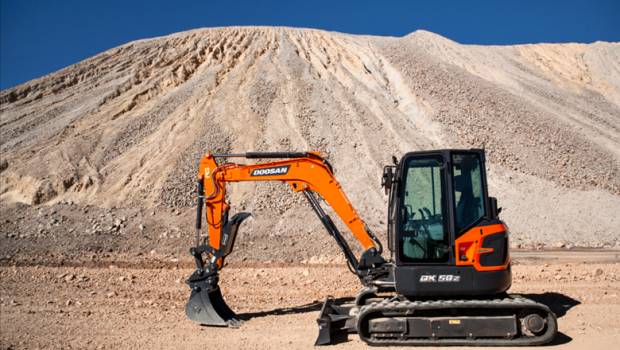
(309, 172)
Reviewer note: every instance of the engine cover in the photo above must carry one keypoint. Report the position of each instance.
(437, 281)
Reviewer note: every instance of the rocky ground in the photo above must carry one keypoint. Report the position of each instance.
(111, 306)
(89, 277)
(66, 233)
(71, 234)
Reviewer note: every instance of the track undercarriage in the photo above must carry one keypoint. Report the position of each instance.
(508, 321)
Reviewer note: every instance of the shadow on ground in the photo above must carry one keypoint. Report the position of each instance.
(310, 307)
(559, 304)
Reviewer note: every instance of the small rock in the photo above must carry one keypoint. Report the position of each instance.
(111, 294)
(83, 278)
(69, 277)
(598, 272)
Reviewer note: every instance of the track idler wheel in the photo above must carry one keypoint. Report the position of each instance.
(533, 325)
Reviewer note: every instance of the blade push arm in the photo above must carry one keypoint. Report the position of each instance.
(302, 171)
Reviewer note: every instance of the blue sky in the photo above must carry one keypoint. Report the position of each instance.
(39, 37)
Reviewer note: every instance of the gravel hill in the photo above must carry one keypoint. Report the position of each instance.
(126, 128)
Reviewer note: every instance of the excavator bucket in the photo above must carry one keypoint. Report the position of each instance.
(209, 308)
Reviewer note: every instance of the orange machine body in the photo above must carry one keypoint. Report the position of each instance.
(470, 246)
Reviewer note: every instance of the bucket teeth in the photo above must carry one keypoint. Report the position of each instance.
(208, 308)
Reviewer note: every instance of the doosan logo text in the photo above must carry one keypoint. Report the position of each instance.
(279, 170)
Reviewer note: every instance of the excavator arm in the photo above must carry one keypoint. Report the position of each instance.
(308, 173)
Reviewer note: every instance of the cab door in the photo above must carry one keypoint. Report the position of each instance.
(422, 223)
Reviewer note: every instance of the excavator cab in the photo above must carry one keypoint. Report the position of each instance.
(437, 199)
(450, 266)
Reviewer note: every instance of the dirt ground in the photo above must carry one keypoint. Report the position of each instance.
(111, 307)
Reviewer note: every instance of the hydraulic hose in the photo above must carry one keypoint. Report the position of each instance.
(199, 205)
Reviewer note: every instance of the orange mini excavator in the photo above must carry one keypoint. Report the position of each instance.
(448, 270)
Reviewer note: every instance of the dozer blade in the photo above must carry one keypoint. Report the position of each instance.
(209, 308)
(333, 323)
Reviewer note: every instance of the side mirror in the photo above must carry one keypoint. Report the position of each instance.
(388, 178)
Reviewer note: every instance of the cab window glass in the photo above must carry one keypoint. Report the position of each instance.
(423, 236)
(468, 196)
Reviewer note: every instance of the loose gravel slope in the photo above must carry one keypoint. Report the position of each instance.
(126, 128)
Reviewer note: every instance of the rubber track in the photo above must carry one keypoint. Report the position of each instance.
(405, 308)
